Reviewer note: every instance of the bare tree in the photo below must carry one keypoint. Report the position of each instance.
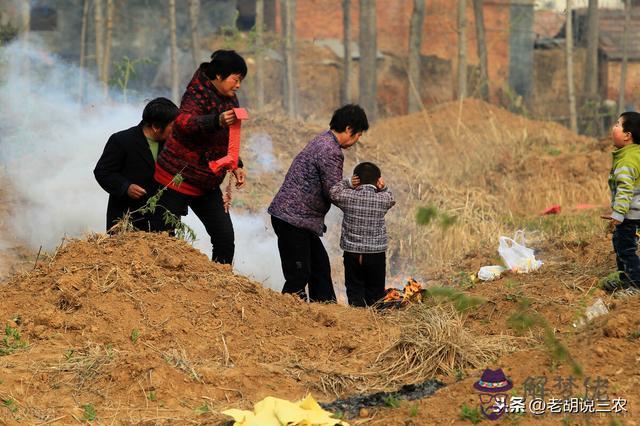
(573, 120)
(260, 54)
(367, 41)
(174, 51)
(345, 90)
(194, 13)
(288, 9)
(83, 46)
(99, 30)
(462, 49)
(26, 19)
(625, 56)
(591, 66)
(415, 42)
(107, 48)
(26, 28)
(481, 46)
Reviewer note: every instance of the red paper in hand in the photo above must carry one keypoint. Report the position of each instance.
(230, 161)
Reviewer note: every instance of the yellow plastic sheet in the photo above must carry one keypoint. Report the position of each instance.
(279, 412)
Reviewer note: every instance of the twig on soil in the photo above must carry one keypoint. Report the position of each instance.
(37, 258)
(52, 420)
(225, 356)
(57, 250)
(144, 394)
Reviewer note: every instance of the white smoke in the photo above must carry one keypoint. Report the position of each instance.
(256, 254)
(50, 143)
(261, 146)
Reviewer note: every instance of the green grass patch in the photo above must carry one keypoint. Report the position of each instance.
(89, 412)
(470, 414)
(11, 341)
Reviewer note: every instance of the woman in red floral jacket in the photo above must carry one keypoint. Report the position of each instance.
(200, 135)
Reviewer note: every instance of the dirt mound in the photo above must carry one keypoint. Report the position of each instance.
(144, 327)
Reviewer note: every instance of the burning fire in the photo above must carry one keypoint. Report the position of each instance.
(412, 293)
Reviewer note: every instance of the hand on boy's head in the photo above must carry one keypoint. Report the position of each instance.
(355, 181)
(380, 183)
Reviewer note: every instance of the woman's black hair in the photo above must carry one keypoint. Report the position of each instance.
(224, 63)
(349, 115)
(159, 112)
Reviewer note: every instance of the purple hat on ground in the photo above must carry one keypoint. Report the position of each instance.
(493, 381)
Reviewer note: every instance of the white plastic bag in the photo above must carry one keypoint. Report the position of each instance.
(516, 255)
(488, 273)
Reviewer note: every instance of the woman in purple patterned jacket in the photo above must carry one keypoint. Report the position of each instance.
(298, 209)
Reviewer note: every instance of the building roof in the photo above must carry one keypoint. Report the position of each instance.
(547, 23)
(611, 27)
(611, 34)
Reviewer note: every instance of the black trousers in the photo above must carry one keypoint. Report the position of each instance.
(304, 261)
(364, 277)
(209, 208)
(625, 244)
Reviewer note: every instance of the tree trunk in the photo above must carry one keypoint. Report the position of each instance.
(462, 49)
(625, 56)
(260, 54)
(26, 28)
(415, 42)
(83, 47)
(99, 29)
(174, 51)
(345, 90)
(367, 41)
(573, 120)
(288, 9)
(26, 19)
(107, 48)
(591, 65)
(194, 13)
(481, 43)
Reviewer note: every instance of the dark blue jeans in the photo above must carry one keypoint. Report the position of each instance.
(625, 244)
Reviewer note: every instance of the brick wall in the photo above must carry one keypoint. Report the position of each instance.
(318, 19)
(632, 92)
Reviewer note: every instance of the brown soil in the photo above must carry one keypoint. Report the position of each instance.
(209, 338)
(145, 329)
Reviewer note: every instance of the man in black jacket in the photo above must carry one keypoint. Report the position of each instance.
(125, 169)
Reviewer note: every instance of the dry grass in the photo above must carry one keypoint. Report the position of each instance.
(84, 366)
(483, 166)
(433, 341)
(492, 171)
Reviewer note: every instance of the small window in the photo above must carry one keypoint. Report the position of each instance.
(44, 18)
(246, 14)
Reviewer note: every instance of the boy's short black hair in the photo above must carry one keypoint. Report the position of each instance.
(349, 115)
(159, 112)
(368, 173)
(631, 124)
(224, 63)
